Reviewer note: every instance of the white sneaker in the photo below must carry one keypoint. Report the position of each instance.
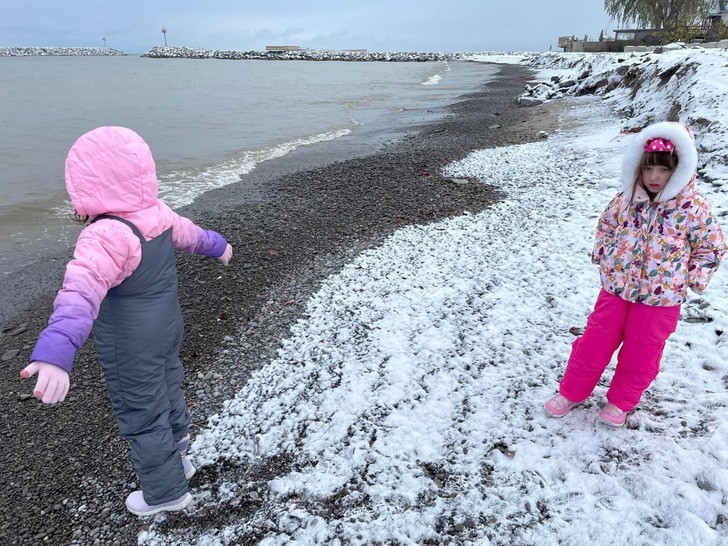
(188, 466)
(182, 445)
(136, 504)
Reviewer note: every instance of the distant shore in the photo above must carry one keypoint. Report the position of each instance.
(181, 52)
(59, 52)
(184, 52)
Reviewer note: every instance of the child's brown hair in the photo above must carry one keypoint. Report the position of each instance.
(76, 217)
(654, 159)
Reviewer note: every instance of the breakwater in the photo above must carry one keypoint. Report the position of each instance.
(58, 51)
(169, 52)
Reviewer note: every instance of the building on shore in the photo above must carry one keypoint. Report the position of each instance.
(574, 44)
(282, 48)
(708, 31)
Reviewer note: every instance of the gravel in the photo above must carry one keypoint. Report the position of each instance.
(65, 471)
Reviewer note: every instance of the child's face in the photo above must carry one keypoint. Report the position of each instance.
(655, 177)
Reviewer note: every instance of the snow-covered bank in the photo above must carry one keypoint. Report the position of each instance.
(686, 85)
(406, 407)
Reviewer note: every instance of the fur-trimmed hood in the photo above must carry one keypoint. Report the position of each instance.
(684, 141)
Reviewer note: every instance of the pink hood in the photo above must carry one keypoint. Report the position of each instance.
(111, 170)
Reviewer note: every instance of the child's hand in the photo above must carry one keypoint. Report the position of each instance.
(225, 258)
(52, 385)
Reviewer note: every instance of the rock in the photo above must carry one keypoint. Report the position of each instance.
(698, 320)
(15, 331)
(58, 51)
(12, 353)
(528, 101)
(183, 52)
(542, 134)
(19, 330)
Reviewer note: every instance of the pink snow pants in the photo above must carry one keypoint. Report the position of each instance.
(642, 330)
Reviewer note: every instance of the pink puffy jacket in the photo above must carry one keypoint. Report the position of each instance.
(651, 252)
(110, 170)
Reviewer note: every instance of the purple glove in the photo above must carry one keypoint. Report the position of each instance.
(52, 383)
(225, 258)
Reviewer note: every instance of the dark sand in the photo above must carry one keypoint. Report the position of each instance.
(293, 222)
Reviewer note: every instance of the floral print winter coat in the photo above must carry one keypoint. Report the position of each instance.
(652, 252)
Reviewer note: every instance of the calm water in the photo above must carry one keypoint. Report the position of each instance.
(207, 122)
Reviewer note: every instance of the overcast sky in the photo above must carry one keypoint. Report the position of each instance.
(377, 25)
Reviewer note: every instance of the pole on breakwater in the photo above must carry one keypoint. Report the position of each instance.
(164, 33)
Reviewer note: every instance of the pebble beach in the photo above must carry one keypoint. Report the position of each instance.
(292, 225)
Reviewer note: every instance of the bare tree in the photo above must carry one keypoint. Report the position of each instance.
(659, 14)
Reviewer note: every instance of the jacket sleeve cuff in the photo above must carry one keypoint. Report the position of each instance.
(213, 245)
(54, 349)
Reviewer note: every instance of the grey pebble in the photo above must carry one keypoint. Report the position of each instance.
(12, 353)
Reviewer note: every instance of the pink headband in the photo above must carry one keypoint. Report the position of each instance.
(659, 145)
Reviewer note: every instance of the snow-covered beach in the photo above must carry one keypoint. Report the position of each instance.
(406, 406)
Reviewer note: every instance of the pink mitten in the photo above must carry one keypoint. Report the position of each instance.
(52, 383)
(225, 258)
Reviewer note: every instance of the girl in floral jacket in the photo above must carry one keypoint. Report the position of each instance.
(656, 239)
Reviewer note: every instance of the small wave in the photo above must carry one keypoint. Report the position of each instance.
(432, 80)
(179, 188)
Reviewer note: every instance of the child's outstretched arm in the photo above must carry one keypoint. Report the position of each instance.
(707, 247)
(191, 238)
(98, 264)
(606, 227)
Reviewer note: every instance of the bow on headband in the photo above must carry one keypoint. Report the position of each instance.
(659, 145)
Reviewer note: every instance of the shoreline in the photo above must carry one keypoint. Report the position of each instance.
(308, 220)
(21, 286)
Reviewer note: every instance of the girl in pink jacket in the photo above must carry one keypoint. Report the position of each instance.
(656, 239)
(122, 281)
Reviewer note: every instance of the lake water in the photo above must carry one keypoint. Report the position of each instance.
(207, 122)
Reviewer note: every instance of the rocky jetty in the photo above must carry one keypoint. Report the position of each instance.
(169, 52)
(58, 51)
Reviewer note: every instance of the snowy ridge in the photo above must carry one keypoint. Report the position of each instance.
(406, 407)
(688, 85)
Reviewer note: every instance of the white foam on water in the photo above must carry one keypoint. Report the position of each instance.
(182, 187)
(432, 80)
